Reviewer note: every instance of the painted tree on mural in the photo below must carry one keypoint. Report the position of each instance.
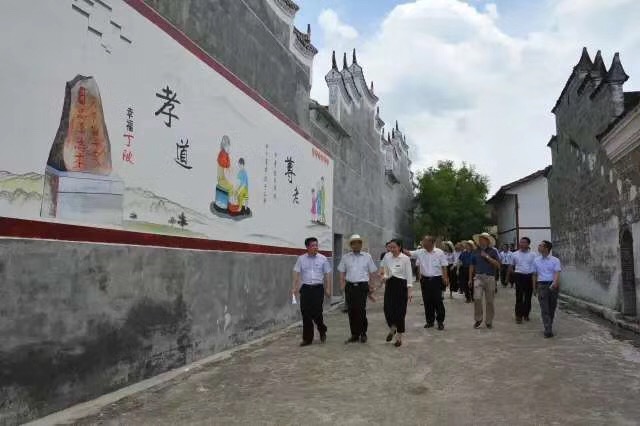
(451, 201)
(182, 220)
(172, 221)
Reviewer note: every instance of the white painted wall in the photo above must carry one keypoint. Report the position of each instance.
(506, 217)
(129, 74)
(533, 200)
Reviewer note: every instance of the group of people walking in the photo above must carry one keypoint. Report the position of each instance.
(472, 268)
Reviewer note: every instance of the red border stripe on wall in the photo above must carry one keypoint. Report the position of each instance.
(21, 228)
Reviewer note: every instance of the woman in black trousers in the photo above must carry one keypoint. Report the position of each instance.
(398, 279)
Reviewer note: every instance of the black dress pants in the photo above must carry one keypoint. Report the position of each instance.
(356, 299)
(311, 301)
(432, 298)
(463, 279)
(524, 291)
(504, 269)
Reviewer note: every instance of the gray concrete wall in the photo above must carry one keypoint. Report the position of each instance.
(79, 320)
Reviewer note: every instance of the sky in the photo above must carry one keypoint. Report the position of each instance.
(472, 80)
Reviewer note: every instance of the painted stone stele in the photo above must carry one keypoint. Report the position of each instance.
(82, 142)
(78, 182)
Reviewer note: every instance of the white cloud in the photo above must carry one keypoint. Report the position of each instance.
(332, 25)
(492, 10)
(463, 89)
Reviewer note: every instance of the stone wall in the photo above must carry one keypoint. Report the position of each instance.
(588, 205)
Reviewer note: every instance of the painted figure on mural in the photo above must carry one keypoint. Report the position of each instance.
(230, 200)
(323, 201)
(242, 189)
(224, 164)
(314, 205)
(320, 203)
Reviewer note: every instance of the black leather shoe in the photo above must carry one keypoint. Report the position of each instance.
(489, 326)
(323, 337)
(440, 326)
(363, 338)
(548, 335)
(303, 343)
(477, 324)
(428, 325)
(352, 339)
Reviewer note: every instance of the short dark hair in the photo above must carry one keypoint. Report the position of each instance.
(547, 244)
(526, 238)
(310, 240)
(398, 242)
(241, 161)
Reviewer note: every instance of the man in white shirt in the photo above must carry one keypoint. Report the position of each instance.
(356, 269)
(546, 283)
(311, 281)
(505, 262)
(432, 273)
(522, 269)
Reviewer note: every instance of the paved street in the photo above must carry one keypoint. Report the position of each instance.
(506, 376)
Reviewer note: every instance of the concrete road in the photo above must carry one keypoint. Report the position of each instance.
(461, 376)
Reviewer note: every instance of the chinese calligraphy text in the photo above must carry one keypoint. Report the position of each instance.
(182, 153)
(170, 99)
(127, 152)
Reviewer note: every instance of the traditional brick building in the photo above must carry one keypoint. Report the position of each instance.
(595, 211)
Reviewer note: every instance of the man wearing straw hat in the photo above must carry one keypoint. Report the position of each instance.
(356, 270)
(484, 262)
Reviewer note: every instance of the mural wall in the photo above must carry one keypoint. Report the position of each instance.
(114, 124)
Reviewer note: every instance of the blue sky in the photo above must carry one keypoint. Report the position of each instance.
(519, 16)
(472, 80)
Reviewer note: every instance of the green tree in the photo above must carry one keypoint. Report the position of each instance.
(451, 202)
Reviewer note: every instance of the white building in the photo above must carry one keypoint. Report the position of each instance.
(521, 209)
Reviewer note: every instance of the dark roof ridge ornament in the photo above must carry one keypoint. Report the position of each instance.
(372, 87)
(344, 61)
(355, 60)
(334, 64)
(309, 31)
(397, 128)
(584, 64)
(599, 69)
(616, 72)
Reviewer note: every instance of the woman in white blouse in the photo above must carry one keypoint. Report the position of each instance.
(398, 287)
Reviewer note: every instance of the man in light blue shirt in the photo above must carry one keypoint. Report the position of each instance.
(311, 281)
(546, 283)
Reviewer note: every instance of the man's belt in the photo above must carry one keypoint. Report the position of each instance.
(356, 284)
(545, 282)
(432, 277)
